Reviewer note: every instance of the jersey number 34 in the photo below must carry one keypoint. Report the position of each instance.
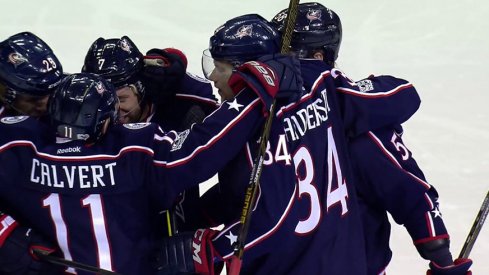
(337, 191)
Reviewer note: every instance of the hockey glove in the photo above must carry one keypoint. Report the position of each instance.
(195, 114)
(288, 72)
(259, 77)
(188, 252)
(17, 245)
(459, 267)
(269, 77)
(163, 73)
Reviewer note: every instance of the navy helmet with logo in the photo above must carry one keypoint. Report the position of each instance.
(28, 66)
(80, 106)
(117, 60)
(241, 39)
(316, 28)
(244, 38)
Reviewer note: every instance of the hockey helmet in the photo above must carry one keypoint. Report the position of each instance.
(316, 28)
(117, 60)
(244, 38)
(28, 66)
(81, 104)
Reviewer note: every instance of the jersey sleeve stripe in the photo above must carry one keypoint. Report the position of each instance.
(122, 151)
(305, 97)
(263, 237)
(210, 142)
(377, 94)
(198, 98)
(429, 224)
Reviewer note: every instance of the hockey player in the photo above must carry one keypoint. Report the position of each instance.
(306, 219)
(155, 87)
(100, 184)
(387, 177)
(29, 72)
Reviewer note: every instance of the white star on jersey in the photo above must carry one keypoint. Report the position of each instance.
(234, 105)
(436, 211)
(232, 238)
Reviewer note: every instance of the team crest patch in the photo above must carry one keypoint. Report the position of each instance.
(13, 119)
(179, 140)
(365, 85)
(135, 126)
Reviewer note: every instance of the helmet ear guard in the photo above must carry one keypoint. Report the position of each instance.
(80, 106)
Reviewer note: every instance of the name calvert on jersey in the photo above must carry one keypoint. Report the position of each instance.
(65, 176)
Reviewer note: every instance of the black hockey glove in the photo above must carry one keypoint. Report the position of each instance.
(17, 245)
(163, 73)
(195, 114)
(187, 253)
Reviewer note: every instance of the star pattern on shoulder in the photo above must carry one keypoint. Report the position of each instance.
(436, 212)
(234, 105)
(232, 238)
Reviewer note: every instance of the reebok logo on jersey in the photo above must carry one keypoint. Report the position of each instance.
(76, 149)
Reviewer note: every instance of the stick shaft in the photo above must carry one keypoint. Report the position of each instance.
(476, 228)
(252, 190)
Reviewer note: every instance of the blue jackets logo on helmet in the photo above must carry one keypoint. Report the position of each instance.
(314, 15)
(16, 59)
(245, 30)
(125, 45)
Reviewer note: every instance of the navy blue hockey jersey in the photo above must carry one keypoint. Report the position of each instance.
(388, 179)
(99, 202)
(306, 220)
(312, 216)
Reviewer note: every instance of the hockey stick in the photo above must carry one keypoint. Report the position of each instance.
(252, 190)
(76, 265)
(476, 228)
